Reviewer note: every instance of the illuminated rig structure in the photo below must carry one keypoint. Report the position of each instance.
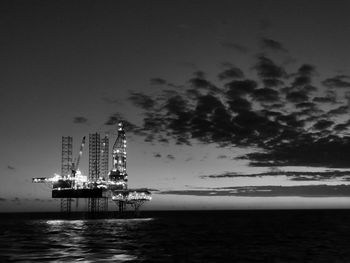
(100, 185)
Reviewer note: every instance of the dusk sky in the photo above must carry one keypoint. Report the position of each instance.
(227, 104)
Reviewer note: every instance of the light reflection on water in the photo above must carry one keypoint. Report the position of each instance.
(100, 240)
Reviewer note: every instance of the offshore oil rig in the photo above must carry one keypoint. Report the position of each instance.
(101, 184)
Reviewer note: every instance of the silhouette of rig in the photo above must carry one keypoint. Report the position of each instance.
(101, 184)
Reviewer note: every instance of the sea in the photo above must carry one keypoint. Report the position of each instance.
(178, 236)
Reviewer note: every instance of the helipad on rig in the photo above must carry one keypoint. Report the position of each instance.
(101, 184)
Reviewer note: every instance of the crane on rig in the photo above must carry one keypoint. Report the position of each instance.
(75, 164)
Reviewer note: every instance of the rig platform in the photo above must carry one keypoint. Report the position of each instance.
(100, 186)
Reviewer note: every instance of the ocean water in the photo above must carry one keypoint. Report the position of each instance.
(180, 236)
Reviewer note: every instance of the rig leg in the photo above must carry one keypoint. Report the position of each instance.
(121, 207)
(92, 205)
(66, 205)
(136, 205)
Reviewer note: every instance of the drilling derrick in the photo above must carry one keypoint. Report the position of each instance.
(104, 157)
(94, 169)
(118, 174)
(66, 166)
(94, 156)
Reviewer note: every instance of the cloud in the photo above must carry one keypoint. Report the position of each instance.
(114, 119)
(340, 81)
(291, 175)
(231, 73)
(2, 199)
(266, 95)
(158, 81)
(269, 191)
(80, 120)
(306, 70)
(157, 155)
(305, 105)
(141, 100)
(239, 104)
(330, 97)
(304, 150)
(10, 167)
(269, 83)
(277, 116)
(128, 126)
(323, 124)
(239, 88)
(199, 82)
(235, 47)
(267, 43)
(297, 96)
(342, 126)
(267, 69)
(338, 111)
(170, 157)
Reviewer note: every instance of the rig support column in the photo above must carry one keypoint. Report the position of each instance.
(66, 204)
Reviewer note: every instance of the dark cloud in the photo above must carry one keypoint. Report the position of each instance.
(270, 191)
(306, 70)
(231, 73)
(266, 95)
(114, 119)
(267, 69)
(323, 124)
(239, 104)
(338, 111)
(10, 167)
(270, 83)
(277, 115)
(301, 81)
(176, 105)
(342, 126)
(305, 105)
(340, 81)
(170, 157)
(157, 155)
(324, 99)
(238, 88)
(305, 150)
(291, 175)
(80, 120)
(199, 74)
(3, 199)
(267, 43)
(130, 127)
(16, 199)
(297, 96)
(207, 104)
(222, 156)
(158, 81)
(199, 82)
(234, 46)
(142, 100)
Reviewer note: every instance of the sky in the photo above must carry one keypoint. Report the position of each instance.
(227, 104)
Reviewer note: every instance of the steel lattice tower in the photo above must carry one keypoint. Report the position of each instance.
(104, 157)
(67, 152)
(94, 156)
(66, 166)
